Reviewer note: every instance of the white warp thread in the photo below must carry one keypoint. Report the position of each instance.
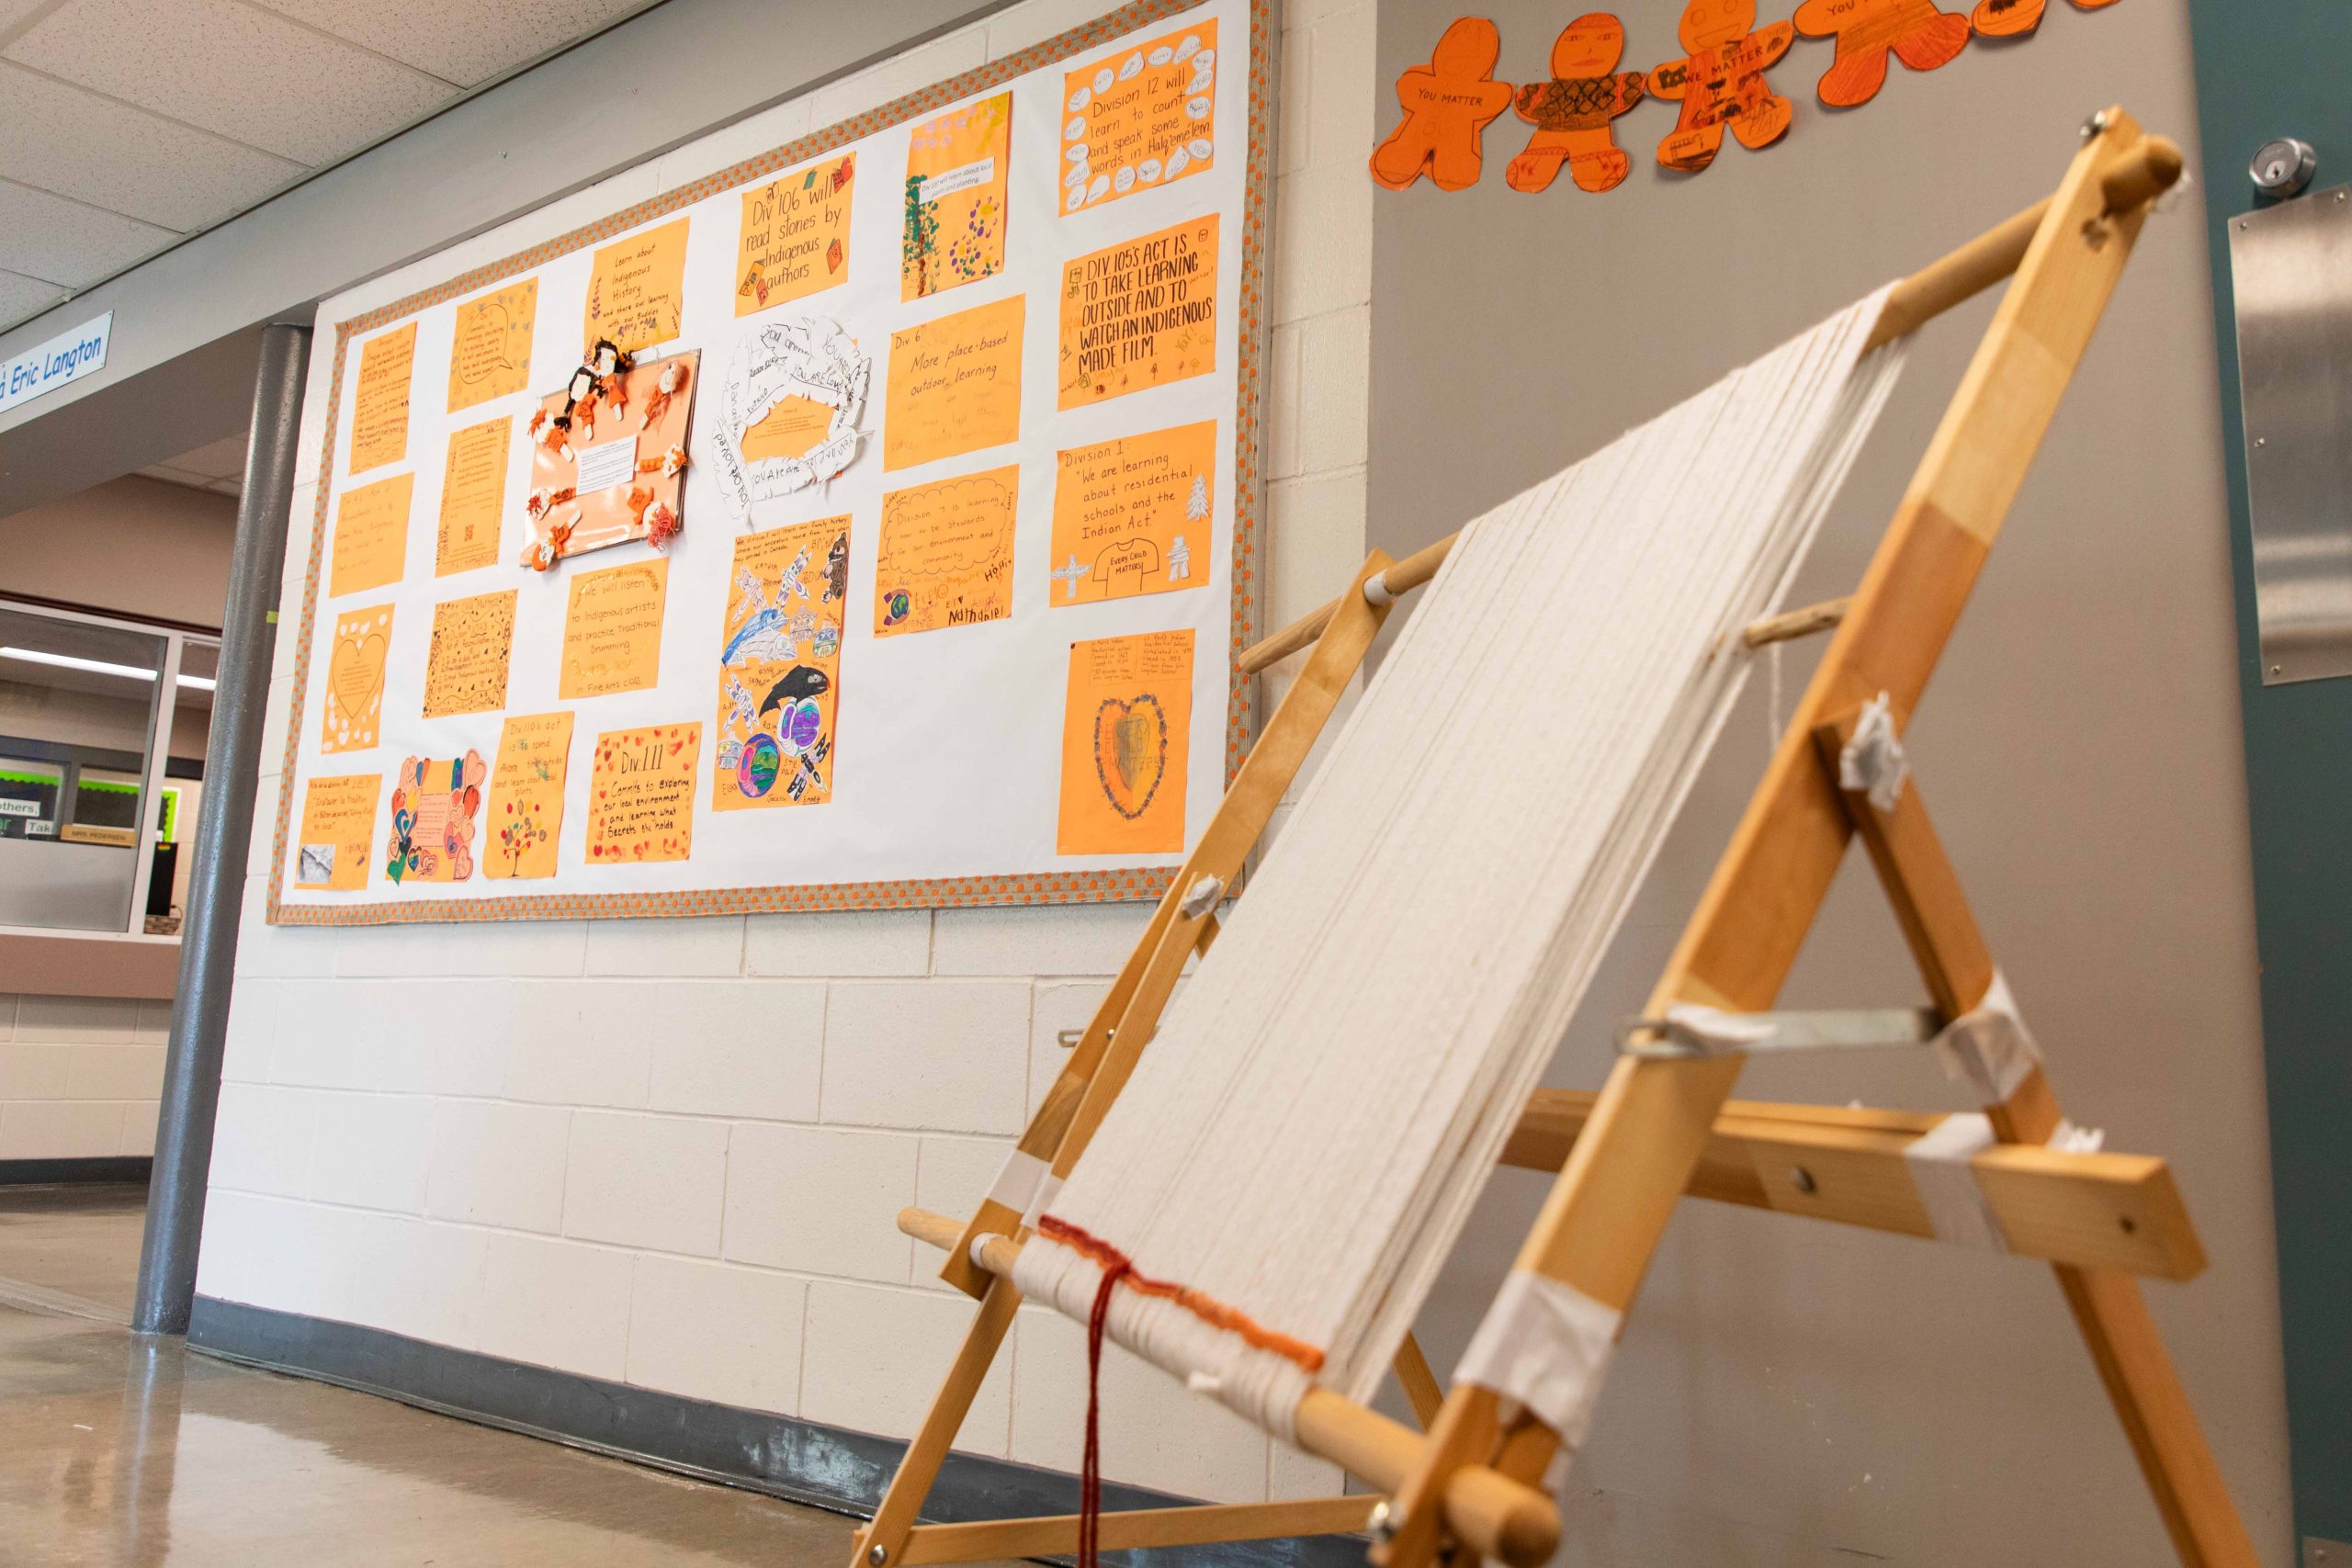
(1544, 1344)
(1305, 1139)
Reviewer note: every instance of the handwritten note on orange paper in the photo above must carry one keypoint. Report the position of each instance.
(526, 796)
(473, 493)
(780, 667)
(379, 407)
(955, 385)
(1126, 732)
(946, 554)
(795, 234)
(490, 349)
(433, 806)
(641, 795)
(1139, 119)
(370, 537)
(1140, 314)
(1133, 515)
(338, 820)
(474, 641)
(612, 631)
(793, 428)
(635, 289)
(353, 712)
(958, 166)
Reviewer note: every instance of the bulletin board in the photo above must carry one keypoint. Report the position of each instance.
(871, 523)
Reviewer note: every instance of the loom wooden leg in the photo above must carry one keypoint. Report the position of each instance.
(1924, 887)
(1421, 1387)
(924, 1455)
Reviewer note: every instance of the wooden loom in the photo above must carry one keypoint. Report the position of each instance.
(1665, 1125)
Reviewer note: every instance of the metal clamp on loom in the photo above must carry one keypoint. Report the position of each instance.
(1689, 1030)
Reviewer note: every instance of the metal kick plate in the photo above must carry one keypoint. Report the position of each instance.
(2292, 269)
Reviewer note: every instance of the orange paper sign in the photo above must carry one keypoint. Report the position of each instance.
(780, 666)
(955, 385)
(526, 796)
(946, 554)
(1130, 515)
(1914, 32)
(619, 470)
(1571, 112)
(1722, 82)
(379, 407)
(1144, 117)
(338, 820)
(490, 350)
(1127, 730)
(2009, 18)
(612, 630)
(433, 807)
(370, 537)
(1140, 314)
(1448, 105)
(635, 289)
(472, 642)
(958, 168)
(473, 491)
(795, 235)
(349, 718)
(641, 795)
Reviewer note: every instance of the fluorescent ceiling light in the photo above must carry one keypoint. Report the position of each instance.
(100, 666)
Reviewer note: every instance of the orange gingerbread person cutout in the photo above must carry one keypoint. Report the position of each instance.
(1571, 112)
(1722, 82)
(2011, 18)
(1868, 30)
(1448, 105)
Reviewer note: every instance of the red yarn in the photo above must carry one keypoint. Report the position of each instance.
(1090, 1475)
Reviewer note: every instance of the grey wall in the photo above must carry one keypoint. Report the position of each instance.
(1792, 1393)
(136, 546)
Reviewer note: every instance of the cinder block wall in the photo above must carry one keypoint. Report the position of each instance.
(79, 1076)
(671, 1152)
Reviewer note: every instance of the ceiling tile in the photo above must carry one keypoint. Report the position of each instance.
(172, 475)
(62, 241)
(21, 297)
(467, 42)
(12, 12)
(60, 138)
(228, 68)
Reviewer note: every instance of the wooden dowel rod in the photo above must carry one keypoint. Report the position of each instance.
(1056, 1535)
(1793, 624)
(1496, 1516)
(2147, 171)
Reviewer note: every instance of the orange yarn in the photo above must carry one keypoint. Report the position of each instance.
(1207, 1309)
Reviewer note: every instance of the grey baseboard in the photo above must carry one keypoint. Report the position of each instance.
(47, 1172)
(803, 1461)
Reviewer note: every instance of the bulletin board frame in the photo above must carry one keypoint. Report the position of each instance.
(1250, 237)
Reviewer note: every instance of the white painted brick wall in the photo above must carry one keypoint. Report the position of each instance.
(672, 1152)
(79, 1076)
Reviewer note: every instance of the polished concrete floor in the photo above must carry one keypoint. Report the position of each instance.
(116, 1449)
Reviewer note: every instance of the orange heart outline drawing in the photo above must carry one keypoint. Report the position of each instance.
(1119, 747)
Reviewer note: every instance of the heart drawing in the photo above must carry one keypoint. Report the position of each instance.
(355, 678)
(1130, 752)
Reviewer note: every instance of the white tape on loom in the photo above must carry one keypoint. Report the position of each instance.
(1544, 1344)
(1988, 1047)
(1942, 1170)
(1016, 1184)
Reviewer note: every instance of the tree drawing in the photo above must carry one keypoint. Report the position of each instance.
(1197, 508)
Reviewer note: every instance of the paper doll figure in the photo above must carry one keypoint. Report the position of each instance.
(1920, 36)
(1448, 105)
(1722, 82)
(2012, 18)
(1571, 112)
